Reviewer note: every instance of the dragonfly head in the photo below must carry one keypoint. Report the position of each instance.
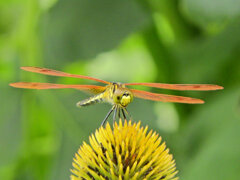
(122, 97)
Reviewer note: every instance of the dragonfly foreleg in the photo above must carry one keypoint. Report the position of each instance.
(123, 113)
(119, 111)
(126, 111)
(108, 114)
(114, 114)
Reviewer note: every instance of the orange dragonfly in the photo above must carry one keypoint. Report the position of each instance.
(117, 94)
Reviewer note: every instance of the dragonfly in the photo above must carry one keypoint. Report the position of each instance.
(119, 95)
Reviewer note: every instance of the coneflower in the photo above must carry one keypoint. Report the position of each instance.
(125, 152)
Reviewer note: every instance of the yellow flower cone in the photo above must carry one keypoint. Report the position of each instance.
(126, 152)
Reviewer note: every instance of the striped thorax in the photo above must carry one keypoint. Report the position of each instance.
(115, 94)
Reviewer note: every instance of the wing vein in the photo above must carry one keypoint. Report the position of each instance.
(35, 85)
(59, 73)
(165, 97)
(182, 87)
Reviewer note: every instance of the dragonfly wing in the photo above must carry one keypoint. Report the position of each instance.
(165, 97)
(35, 85)
(194, 87)
(59, 73)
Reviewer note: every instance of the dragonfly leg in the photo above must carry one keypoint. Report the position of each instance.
(123, 113)
(119, 110)
(114, 114)
(108, 114)
(125, 109)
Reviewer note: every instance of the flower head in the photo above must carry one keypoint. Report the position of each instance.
(126, 152)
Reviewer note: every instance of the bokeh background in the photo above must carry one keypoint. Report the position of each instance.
(170, 41)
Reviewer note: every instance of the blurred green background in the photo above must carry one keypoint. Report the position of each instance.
(170, 41)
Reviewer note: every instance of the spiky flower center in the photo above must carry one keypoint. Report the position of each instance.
(126, 152)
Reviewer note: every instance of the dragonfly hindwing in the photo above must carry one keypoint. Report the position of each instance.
(91, 100)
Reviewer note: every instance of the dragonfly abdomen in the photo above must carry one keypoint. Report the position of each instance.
(92, 100)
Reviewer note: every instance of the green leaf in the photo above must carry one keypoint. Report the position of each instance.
(91, 28)
(212, 139)
(211, 14)
(46, 4)
(203, 60)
